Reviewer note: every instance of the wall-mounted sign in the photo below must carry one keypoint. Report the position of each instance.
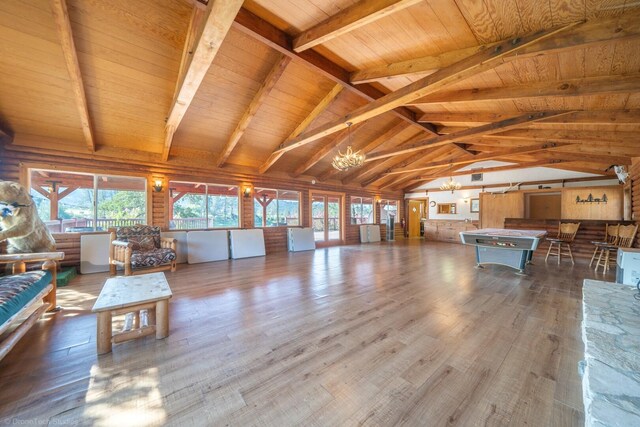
(591, 199)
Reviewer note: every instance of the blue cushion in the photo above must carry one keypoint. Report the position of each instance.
(17, 290)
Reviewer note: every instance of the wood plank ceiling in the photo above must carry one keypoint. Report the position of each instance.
(268, 86)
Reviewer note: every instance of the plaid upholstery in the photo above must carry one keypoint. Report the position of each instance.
(152, 258)
(137, 233)
(17, 290)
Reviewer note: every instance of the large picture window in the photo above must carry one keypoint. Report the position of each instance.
(274, 208)
(72, 202)
(361, 210)
(198, 205)
(388, 208)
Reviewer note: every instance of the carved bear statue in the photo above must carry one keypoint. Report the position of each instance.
(19, 221)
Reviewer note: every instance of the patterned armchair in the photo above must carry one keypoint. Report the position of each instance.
(140, 249)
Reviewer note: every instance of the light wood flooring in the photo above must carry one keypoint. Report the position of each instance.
(381, 334)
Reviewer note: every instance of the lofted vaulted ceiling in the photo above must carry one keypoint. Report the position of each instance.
(268, 86)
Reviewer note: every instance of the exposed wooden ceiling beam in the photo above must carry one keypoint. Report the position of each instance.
(588, 34)
(6, 135)
(584, 168)
(263, 92)
(266, 33)
(325, 150)
(507, 184)
(597, 137)
(464, 148)
(195, 25)
(612, 117)
(398, 181)
(357, 15)
(587, 155)
(63, 25)
(376, 166)
(407, 160)
(515, 166)
(217, 21)
(606, 85)
(371, 145)
(479, 157)
(461, 70)
(490, 128)
(317, 110)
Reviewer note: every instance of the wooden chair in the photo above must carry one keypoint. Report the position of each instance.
(610, 238)
(140, 249)
(566, 233)
(626, 236)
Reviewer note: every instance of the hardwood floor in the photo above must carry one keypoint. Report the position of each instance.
(381, 334)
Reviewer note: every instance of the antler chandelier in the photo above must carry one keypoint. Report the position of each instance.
(349, 159)
(451, 185)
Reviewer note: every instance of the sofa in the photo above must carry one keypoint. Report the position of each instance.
(25, 293)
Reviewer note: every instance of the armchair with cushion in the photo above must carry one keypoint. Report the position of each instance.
(139, 249)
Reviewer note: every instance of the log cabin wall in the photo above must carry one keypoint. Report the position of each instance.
(494, 208)
(15, 162)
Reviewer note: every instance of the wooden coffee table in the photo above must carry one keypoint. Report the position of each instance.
(126, 294)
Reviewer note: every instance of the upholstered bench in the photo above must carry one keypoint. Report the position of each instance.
(24, 292)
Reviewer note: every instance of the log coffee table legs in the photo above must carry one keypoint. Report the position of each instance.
(103, 338)
(158, 313)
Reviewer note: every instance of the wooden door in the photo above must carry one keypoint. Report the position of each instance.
(414, 218)
(494, 208)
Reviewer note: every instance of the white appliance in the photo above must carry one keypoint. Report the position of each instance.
(300, 239)
(628, 266)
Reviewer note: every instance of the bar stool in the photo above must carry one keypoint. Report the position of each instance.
(566, 233)
(626, 235)
(610, 238)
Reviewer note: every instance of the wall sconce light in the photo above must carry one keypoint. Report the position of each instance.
(466, 200)
(157, 185)
(246, 191)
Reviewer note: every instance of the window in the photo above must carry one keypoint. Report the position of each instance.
(70, 201)
(388, 208)
(274, 208)
(197, 205)
(361, 210)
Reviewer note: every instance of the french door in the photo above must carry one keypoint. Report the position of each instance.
(326, 217)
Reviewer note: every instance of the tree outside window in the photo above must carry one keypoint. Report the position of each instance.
(276, 208)
(199, 206)
(71, 201)
(361, 210)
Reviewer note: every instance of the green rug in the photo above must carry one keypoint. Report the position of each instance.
(65, 276)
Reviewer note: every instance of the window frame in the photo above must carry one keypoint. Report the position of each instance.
(27, 170)
(277, 200)
(373, 210)
(206, 204)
